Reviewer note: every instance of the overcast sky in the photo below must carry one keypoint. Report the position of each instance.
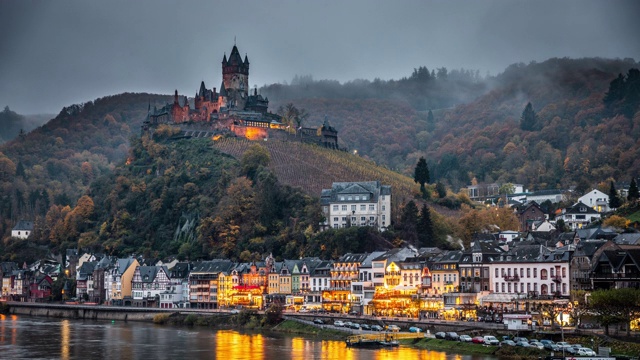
(58, 53)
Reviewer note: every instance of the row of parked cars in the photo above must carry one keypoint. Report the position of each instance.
(573, 349)
(355, 326)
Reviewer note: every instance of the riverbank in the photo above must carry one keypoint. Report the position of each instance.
(504, 352)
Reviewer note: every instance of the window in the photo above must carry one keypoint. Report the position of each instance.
(528, 272)
(564, 272)
(335, 207)
(353, 219)
(383, 218)
(363, 207)
(372, 207)
(363, 219)
(350, 198)
(535, 273)
(344, 207)
(365, 197)
(353, 208)
(341, 198)
(344, 218)
(335, 226)
(497, 289)
(383, 207)
(357, 198)
(371, 218)
(502, 287)
(335, 219)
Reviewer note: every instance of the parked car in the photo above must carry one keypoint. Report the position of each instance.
(475, 340)
(465, 338)
(365, 327)
(451, 336)
(536, 345)
(507, 343)
(347, 324)
(235, 311)
(318, 321)
(523, 343)
(491, 340)
(355, 326)
(338, 323)
(440, 335)
(354, 313)
(549, 345)
(516, 339)
(376, 328)
(393, 328)
(586, 352)
(415, 329)
(564, 347)
(498, 320)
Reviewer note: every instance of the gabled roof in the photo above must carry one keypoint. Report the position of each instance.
(373, 188)
(588, 247)
(148, 273)
(628, 239)
(213, 266)
(24, 225)
(576, 209)
(352, 258)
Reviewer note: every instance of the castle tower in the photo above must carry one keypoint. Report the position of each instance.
(235, 78)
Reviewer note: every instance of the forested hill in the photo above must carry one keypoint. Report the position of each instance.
(575, 139)
(56, 163)
(12, 123)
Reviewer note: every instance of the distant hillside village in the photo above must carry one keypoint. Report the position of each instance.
(233, 110)
(504, 272)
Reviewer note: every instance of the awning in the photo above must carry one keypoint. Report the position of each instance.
(500, 298)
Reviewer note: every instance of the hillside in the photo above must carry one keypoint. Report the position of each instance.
(12, 123)
(313, 168)
(576, 140)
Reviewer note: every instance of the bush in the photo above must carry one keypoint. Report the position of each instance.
(160, 319)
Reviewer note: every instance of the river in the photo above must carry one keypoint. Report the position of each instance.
(23, 337)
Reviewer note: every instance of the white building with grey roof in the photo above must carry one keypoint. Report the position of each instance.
(365, 203)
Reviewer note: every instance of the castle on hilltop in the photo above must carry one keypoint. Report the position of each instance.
(233, 109)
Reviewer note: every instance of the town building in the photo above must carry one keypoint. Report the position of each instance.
(118, 280)
(147, 285)
(22, 230)
(366, 203)
(597, 200)
(578, 216)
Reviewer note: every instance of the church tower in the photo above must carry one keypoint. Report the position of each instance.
(235, 78)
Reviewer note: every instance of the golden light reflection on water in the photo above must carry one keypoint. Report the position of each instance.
(65, 339)
(232, 345)
(336, 350)
(408, 353)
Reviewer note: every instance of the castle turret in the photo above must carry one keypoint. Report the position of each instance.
(235, 76)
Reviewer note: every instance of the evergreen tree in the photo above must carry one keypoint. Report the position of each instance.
(441, 190)
(529, 120)
(421, 174)
(426, 235)
(614, 200)
(431, 121)
(634, 194)
(409, 222)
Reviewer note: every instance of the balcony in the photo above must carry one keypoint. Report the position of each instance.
(556, 278)
(616, 276)
(511, 278)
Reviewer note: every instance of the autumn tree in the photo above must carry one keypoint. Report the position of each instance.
(616, 221)
(252, 159)
(614, 199)
(613, 306)
(431, 121)
(421, 174)
(528, 120)
(634, 194)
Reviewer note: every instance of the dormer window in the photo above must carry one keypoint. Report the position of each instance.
(583, 209)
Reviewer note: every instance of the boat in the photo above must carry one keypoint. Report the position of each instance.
(365, 343)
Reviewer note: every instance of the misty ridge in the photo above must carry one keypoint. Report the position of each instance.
(439, 88)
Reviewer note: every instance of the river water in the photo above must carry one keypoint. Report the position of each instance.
(23, 337)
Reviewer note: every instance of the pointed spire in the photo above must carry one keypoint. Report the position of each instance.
(246, 59)
(224, 59)
(203, 89)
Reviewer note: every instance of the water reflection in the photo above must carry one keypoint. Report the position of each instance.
(44, 338)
